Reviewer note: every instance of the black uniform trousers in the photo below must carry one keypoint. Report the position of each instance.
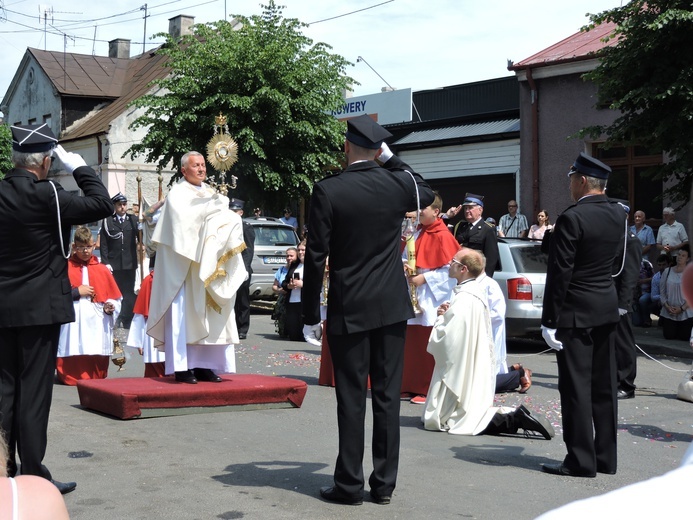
(27, 362)
(125, 279)
(587, 385)
(242, 307)
(626, 355)
(380, 353)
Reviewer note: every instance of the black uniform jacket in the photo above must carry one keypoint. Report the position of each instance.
(481, 237)
(627, 280)
(249, 251)
(586, 243)
(121, 252)
(34, 287)
(356, 218)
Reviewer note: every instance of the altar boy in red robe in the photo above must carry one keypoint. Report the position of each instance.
(435, 247)
(85, 345)
(137, 336)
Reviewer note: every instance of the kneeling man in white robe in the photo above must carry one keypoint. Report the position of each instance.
(460, 398)
(199, 241)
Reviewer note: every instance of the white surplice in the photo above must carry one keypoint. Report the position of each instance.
(199, 269)
(496, 307)
(460, 398)
(91, 334)
(138, 338)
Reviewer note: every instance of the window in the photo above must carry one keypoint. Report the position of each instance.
(47, 119)
(632, 178)
(32, 121)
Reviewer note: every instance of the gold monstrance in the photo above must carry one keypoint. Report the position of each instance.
(222, 152)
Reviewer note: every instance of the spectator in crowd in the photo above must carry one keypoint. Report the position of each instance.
(257, 212)
(663, 262)
(26, 497)
(676, 316)
(536, 232)
(492, 224)
(643, 232)
(293, 285)
(671, 235)
(643, 303)
(513, 224)
(289, 220)
(279, 310)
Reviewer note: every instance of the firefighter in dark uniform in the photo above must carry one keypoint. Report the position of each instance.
(356, 218)
(579, 319)
(242, 305)
(118, 246)
(35, 219)
(477, 234)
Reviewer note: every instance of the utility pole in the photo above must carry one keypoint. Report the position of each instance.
(144, 36)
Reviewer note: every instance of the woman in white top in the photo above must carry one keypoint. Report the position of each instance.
(28, 497)
(676, 315)
(536, 232)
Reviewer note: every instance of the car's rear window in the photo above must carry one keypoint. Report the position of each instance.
(529, 259)
(274, 236)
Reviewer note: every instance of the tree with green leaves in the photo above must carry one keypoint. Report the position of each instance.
(275, 86)
(5, 149)
(648, 77)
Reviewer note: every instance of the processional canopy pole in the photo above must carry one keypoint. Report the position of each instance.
(222, 153)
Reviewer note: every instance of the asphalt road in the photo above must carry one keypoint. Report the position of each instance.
(269, 464)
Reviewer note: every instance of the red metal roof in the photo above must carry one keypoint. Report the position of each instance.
(579, 46)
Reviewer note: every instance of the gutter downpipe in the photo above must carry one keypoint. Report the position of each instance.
(535, 140)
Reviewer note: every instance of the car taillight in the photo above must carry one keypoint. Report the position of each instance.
(519, 289)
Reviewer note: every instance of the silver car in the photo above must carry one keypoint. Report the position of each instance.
(522, 278)
(272, 238)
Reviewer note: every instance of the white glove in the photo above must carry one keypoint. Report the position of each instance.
(313, 334)
(109, 267)
(621, 312)
(549, 336)
(385, 153)
(70, 160)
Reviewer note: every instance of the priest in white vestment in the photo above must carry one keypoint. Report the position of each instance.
(460, 398)
(199, 269)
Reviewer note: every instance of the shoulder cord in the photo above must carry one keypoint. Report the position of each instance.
(66, 255)
(418, 198)
(623, 260)
(118, 235)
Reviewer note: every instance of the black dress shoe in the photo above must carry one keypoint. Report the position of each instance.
(624, 394)
(186, 376)
(533, 423)
(64, 487)
(205, 374)
(242, 335)
(560, 469)
(383, 500)
(332, 494)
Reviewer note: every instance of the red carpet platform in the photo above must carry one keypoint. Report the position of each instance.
(135, 397)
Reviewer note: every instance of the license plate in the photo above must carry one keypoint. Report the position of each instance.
(274, 260)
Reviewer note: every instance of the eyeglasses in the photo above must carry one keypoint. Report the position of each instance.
(84, 249)
(512, 205)
(459, 263)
